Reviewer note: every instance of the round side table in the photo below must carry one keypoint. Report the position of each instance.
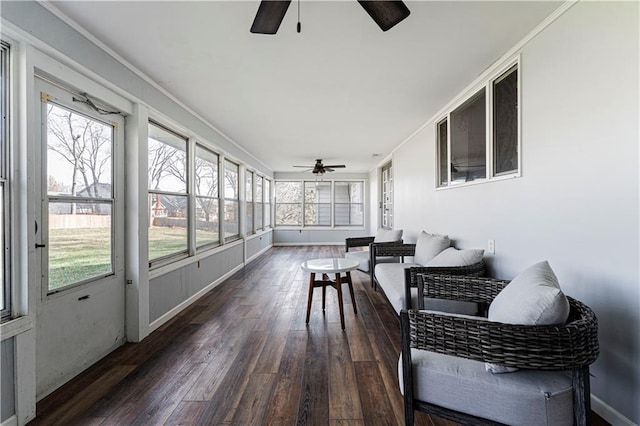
(324, 267)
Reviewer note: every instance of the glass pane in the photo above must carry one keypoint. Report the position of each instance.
(167, 161)
(259, 210)
(231, 224)
(443, 153)
(78, 154)
(207, 223)
(505, 122)
(349, 214)
(206, 173)
(348, 203)
(259, 206)
(250, 229)
(288, 203)
(3, 242)
(230, 180)
(267, 202)
(167, 225)
(79, 242)
(317, 198)
(288, 214)
(249, 186)
(468, 140)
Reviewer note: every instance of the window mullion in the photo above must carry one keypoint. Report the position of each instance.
(191, 201)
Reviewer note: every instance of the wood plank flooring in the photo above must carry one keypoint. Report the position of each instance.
(242, 355)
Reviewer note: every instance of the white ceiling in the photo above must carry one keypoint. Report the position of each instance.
(341, 90)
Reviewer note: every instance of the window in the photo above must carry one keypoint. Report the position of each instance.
(505, 123)
(231, 201)
(461, 137)
(267, 203)
(259, 203)
(288, 203)
(349, 204)
(5, 216)
(317, 203)
(207, 201)
(168, 196)
(249, 198)
(80, 197)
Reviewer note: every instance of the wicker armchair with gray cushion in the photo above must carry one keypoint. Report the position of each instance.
(432, 254)
(383, 237)
(528, 367)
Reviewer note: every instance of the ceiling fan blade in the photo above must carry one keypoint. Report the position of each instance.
(328, 169)
(269, 16)
(386, 13)
(306, 167)
(336, 166)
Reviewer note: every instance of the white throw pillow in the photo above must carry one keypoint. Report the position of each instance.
(429, 246)
(388, 235)
(454, 257)
(533, 297)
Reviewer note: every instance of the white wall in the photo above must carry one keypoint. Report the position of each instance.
(576, 204)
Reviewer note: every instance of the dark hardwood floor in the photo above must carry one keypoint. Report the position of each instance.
(243, 355)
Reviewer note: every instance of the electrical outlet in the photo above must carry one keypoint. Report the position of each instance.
(491, 246)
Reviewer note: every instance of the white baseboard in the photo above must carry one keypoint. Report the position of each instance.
(179, 308)
(608, 413)
(11, 421)
(308, 244)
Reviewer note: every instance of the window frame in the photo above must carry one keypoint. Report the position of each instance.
(6, 310)
(169, 258)
(49, 199)
(350, 203)
(303, 205)
(488, 84)
(267, 213)
(216, 197)
(259, 203)
(250, 189)
(225, 199)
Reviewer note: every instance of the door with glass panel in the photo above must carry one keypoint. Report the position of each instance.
(386, 196)
(79, 234)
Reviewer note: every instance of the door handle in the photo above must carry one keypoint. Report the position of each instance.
(40, 245)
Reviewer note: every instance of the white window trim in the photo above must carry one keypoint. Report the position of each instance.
(487, 84)
(333, 226)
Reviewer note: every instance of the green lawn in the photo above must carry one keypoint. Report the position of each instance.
(82, 253)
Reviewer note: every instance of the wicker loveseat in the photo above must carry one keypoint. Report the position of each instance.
(399, 281)
(442, 367)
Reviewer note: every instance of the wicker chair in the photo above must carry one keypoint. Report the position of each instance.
(355, 242)
(411, 272)
(539, 349)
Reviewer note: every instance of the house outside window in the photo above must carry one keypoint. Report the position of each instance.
(319, 203)
(349, 204)
(479, 139)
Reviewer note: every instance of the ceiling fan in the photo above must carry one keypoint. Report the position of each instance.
(386, 13)
(320, 169)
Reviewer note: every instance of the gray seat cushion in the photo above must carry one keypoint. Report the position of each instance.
(525, 397)
(390, 277)
(363, 259)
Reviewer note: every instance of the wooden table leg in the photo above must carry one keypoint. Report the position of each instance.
(353, 298)
(338, 286)
(312, 279)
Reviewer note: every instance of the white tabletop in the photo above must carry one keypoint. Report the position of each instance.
(330, 266)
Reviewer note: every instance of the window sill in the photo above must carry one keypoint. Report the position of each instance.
(15, 326)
